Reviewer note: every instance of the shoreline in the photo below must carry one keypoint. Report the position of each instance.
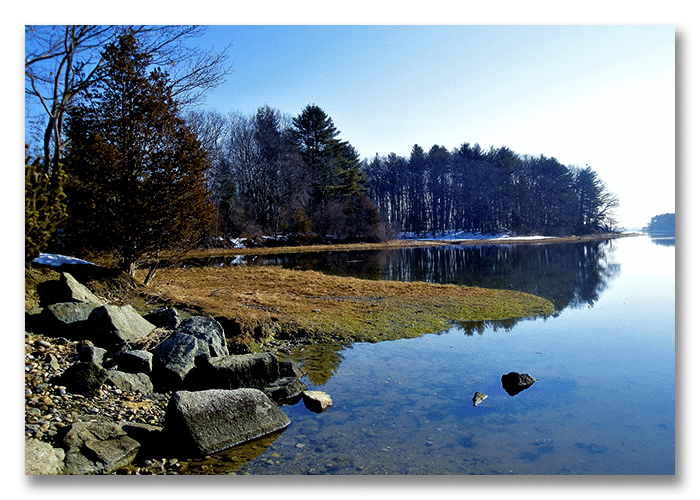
(401, 243)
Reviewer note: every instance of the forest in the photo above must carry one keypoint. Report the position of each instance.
(272, 174)
(126, 164)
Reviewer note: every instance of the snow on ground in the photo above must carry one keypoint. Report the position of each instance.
(55, 260)
(467, 235)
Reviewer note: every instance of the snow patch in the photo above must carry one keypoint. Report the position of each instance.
(468, 235)
(55, 260)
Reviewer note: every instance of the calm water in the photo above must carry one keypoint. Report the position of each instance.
(603, 403)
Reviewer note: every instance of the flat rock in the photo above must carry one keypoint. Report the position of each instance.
(205, 422)
(317, 401)
(98, 448)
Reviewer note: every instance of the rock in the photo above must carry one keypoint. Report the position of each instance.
(65, 319)
(286, 390)
(164, 317)
(478, 398)
(205, 422)
(98, 448)
(207, 329)
(236, 371)
(289, 369)
(317, 401)
(114, 326)
(51, 363)
(134, 361)
(41, 458)
(130, 382)
(84, 378)
(175, 357)
(69, 290)
(88, 353)
(514, 383)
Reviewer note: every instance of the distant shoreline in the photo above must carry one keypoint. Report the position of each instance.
(404, 243)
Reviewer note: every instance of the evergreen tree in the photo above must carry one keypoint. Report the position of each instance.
(318, 147)
(137, 172)
(44, 206)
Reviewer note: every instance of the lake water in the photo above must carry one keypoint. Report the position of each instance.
(603, 402)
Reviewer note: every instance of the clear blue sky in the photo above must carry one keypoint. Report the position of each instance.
(601, 95)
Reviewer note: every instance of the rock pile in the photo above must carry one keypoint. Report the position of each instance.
(97, 397)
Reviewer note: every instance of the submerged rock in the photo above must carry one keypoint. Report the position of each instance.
(514, 383)
(478, 398)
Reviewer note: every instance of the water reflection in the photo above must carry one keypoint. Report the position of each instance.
(666, 239)
(570, 275)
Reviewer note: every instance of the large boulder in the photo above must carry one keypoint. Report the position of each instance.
(236, 371)
(41, 458)
(207, 329)
(209, 421)
(113, 326)
(98, 448)
(175, 357)
(66, 319)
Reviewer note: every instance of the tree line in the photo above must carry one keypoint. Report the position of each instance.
(130, 169)
(471, 189)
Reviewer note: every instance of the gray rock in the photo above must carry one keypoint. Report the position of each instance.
(164, 317)
(130, 382)
(205, 422)
(207, 329)
(514, 383)
(98, 448)
(41, 458)
(134, 361)
(286, 390)
(69, 290)
(174, 358)
(67, 319)
(113, 326)
(84, 378)
(236, 371)
(88, 353)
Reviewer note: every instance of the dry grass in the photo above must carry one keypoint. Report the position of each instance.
(271, 302)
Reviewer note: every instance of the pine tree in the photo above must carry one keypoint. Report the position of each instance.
(315, 135)
(44, 206)
(137, 172)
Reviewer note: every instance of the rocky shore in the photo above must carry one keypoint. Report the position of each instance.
(107, 390)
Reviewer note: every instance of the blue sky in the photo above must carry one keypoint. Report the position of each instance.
(601, 95)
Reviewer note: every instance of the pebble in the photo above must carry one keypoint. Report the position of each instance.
(50, 407)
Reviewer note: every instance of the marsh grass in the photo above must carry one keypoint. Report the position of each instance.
(274, 303)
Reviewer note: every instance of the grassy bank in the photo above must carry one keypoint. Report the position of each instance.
(271, 302)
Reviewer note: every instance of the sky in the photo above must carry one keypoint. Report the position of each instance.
(598, 95)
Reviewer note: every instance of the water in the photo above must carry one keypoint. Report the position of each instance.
(603, 402)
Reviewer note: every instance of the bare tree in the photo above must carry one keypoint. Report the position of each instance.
(63, 62)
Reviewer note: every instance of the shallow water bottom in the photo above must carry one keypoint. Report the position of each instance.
(405, 407)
